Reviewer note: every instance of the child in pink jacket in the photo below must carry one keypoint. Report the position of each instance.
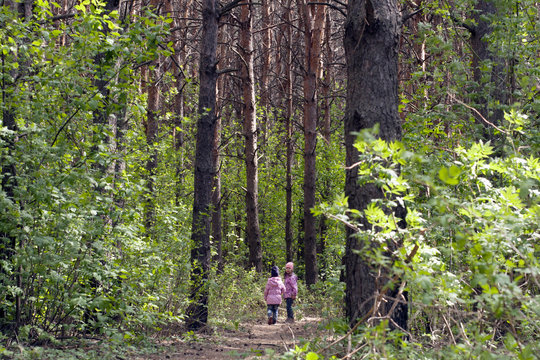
(272, 295)
(291, 289)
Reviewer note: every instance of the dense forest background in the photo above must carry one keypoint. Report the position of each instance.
(158, 157)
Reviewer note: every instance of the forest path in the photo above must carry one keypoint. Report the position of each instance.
(251, 341)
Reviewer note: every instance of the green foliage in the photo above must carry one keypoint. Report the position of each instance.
(474, 284)
(300, 352)
(237, 295)
(73, 255)
(439, 95)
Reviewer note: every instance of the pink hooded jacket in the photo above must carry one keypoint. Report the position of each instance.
(291, 286)
(273, 291)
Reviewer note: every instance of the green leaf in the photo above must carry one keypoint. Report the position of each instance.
(450, 175)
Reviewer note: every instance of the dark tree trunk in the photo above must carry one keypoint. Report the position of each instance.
(151, 127)
(267, 10)
(179, 141)
(8, 241)
(102, 120)
(250, 134)
(327, 81)
(216, 199)
(120, 163)
(180, 70)
(313, 28)
(491, 87)
(197, 314)
(288, 137)
(371, 46)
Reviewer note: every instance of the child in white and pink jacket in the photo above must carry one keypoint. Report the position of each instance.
(272, 295)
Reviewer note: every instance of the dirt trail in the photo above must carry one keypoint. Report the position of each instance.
(250, 341)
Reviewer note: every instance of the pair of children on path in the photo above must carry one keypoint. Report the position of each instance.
(275, 288)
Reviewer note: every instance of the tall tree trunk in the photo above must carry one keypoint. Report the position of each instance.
(250, 134)
(120, 163)
(313, 30)
(8, 241)
(288, 87)
(9, 183)
(216, 199)
(327, 81)
(197, 314)
(217, 202)
(151, 127)
(491, 87)
(102, 124)
(179, 114)
(179, 106)
(267, 10)
(371, 46)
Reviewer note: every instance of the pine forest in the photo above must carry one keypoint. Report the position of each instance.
(163, 161)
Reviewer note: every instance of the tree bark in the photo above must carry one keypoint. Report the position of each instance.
(179, 99)
(267, 10)
(491, 87)
(327, 81)
(371, 46)
(216, 201)
(250, 134)
(8, 241)
(197, 314)
(313, 29)
(288, 90)
(151, 127)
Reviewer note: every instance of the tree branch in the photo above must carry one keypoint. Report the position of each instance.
(477, 112)
(406, 17)
(228, 7)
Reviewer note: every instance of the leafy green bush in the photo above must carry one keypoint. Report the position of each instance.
(73, 256)
(473, 230)
(236, 295)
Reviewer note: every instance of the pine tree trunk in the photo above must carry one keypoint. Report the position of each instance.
(8, 241)
(216, 199)
(250, 134)
(371, 46)
(313, 28)
(197, 313)
(151, 126)
(267, 9)
(288, 137)
(491, 87)
(179, 112)
(327, 82)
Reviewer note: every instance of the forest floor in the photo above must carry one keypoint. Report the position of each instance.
(252, 340)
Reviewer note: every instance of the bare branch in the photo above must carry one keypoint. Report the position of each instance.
(228, 7)
(406, 17)
(62, 17)
(477, 112)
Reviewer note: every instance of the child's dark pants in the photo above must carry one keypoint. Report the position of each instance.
(273, 311)
(290, 314)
